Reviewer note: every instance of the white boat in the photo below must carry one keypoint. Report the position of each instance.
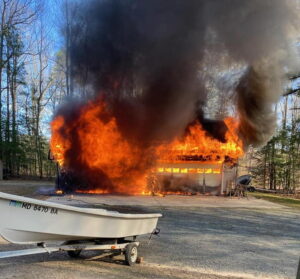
(25, 220)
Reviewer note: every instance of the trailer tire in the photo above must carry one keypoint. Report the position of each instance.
(74, 253)
(131, 254)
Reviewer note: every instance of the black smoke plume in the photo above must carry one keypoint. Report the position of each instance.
(147, 58)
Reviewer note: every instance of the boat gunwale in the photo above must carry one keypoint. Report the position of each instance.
(92, 211)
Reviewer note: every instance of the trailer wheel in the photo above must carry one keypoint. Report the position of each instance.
(74, 253)
(131, 254)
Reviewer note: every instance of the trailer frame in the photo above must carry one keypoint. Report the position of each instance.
(112, 247)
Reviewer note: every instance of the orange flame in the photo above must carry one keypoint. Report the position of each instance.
(104, 147)
(197, 145)
(58, 144)
(125, 164)
(59, 192)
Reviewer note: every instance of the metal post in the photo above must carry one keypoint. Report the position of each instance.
(222, 180)
(1, 170)
(204, 181)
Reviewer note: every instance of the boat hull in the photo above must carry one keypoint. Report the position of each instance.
(24, 220)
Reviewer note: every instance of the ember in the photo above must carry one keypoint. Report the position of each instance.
(59, 192)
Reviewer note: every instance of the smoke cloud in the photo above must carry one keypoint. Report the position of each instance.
(147, 59)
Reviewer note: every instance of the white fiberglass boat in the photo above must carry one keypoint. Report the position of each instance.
(26, 220)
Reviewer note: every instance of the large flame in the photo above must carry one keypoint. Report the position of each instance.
(104, 149)
(196, 145)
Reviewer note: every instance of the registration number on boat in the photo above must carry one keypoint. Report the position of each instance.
(33, 207)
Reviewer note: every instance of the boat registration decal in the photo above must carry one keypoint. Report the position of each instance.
(33, 207)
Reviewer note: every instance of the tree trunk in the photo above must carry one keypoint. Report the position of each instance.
(13, 90)
(7, 126)
(1, 70)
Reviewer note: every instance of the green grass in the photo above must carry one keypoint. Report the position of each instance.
(295, 203)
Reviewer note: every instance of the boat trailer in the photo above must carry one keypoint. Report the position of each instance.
(74, 248)
(54, 227)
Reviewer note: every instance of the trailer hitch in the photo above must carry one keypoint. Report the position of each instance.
(155, 232)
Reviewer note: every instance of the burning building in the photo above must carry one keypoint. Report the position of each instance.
(198, 163)
(145, 70)
(193, 163)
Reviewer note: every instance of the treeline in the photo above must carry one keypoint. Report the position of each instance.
(276, 166)
(32, 80)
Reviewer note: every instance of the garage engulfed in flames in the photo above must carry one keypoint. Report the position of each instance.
(198, 163)
(112, 164)
(142, 73)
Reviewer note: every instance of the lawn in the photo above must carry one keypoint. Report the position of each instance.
(276, 198)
